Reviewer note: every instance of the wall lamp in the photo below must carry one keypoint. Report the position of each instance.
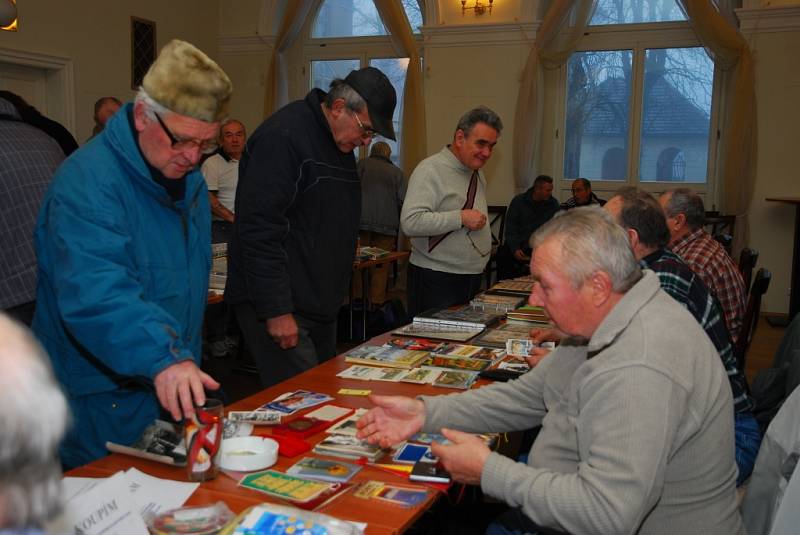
(479, 7)
(8, 15)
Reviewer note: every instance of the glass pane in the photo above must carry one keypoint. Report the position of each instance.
(414, 14)
(598, 100)
(323, 72)
(636, 11)
(348, 18)
(394, 69)
(677, 115)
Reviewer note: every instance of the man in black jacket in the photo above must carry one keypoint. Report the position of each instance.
(298, 206)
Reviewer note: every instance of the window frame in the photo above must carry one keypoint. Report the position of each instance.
(638, 38)
(363, 48)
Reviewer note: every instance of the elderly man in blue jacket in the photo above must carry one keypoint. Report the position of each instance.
(123, 243)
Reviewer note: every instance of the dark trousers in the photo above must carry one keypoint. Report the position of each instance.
(509, 267)
(316, 344)
(429, 289)
(221, 231)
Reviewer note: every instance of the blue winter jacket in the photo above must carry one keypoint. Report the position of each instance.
(123, 276)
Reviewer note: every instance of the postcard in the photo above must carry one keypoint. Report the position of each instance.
(291, 402)
(324, 470)
(455, 379)
(421, 376)
(284, 486)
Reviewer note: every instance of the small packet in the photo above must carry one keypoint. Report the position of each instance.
(198, 520)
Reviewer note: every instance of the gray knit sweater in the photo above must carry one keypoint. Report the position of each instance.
(636, 439)
(436, 193)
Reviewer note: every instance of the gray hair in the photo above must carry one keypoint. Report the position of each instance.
(642, 213)
(481, 114)
(591, 241)
(151, 107)
(687, 202)
(30, 472)
(352, 100)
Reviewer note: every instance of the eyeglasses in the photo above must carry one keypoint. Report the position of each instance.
(469, 236)
(366, 132)
(206, 147)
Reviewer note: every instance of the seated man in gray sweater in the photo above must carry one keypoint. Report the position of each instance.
(636, 410)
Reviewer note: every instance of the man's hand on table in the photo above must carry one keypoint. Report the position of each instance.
(392, 420)
(464, 458)
(181, 386)
(283, 330)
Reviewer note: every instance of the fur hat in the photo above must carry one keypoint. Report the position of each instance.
(187, 82)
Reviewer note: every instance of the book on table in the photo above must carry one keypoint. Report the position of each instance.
(385, 356)
(498, 302)
(452, 333)
(456, 363)
(466, 316)
(497, 337)
(349, 447)
(529, 314)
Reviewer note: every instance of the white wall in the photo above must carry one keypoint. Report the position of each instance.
(94, 36)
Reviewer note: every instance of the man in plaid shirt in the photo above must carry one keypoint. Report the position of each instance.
(704, 255)
(643, 219)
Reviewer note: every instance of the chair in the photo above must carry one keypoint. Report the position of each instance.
(497, 225)
(747, 263)
(760, 286)
(721, 228)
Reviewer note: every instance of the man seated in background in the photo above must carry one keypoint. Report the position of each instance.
(221, 172)
(635, 408)
(104, 109)
(33, 418)
(705, 255)
(123, 244)
(445, 214)
(526, 213)
(383, 188)
(582, 195)
(640, 214)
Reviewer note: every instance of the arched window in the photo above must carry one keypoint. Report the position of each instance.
(671, 165)
(641, 80)
(349, 34)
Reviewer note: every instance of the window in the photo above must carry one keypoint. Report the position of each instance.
(349, 34)
(639, 98)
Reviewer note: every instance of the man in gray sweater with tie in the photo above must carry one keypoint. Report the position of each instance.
(636, 410)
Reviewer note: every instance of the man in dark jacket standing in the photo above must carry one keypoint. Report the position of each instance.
(298, 206)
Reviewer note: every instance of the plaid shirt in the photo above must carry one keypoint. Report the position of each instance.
(683, 285)
(706, 257)
(28, 159)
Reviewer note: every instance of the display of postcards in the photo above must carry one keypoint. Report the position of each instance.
(519, 348)
(348, 425)
(291, 402)
(497, 337)
(257, 417)
(468, 351)
(385, 356)
(362, 373)
(529, 314)
(160, 441)
(232, 429)
(390, 374)
(455, 363)
(349, 447)
(411, 453)
(501, 303)
(421, 376)
(514, 365)
(456, 379)
(323, 469)
(442, 332)
(404, 496)
(415, 344)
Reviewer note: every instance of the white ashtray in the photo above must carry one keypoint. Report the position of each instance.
(245, 454)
